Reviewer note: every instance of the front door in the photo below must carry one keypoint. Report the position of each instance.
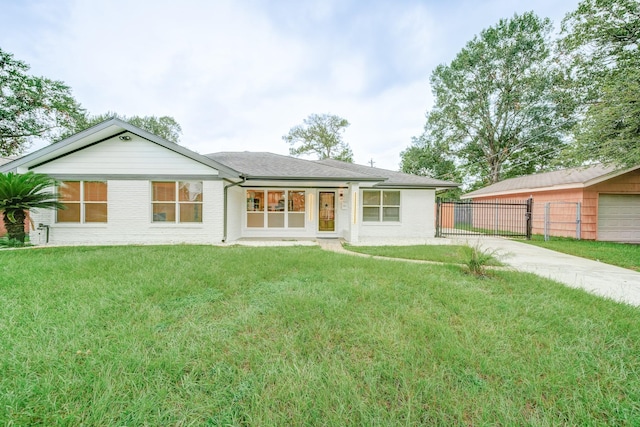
(327, 211)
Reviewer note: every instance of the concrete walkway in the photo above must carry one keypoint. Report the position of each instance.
(619, 284)
(335, 245)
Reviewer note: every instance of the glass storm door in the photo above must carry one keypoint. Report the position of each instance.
(327, 211)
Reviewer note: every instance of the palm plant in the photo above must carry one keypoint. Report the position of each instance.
(20, 193)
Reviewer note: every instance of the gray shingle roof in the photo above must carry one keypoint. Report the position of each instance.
(547, 180)
(393, 179)
(275, 166)
(267, 166)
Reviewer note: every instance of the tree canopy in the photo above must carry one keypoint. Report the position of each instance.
(32, 107)
(429, 157)
(600, 44)
(496, 112)
(37, 107)
(320, 134)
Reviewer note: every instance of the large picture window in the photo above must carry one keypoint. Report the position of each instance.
(85, 202)
(176, 201)
(380, 206)
(275, 208)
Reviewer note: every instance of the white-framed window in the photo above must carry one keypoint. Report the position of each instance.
(380, 205)
(176, 201)
(277, 208)
(85, 202)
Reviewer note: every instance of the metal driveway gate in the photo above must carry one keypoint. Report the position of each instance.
(509, 218)
(562, 219)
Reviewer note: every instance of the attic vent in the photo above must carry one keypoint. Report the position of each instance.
(125, 138)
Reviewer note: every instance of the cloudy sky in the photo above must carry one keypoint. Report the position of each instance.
(237, 75)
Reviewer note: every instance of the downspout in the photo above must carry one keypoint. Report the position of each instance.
(225, 214)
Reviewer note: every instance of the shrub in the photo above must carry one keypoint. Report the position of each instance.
(476, 259)
(6, 242)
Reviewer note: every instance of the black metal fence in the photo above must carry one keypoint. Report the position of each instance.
(509, 218)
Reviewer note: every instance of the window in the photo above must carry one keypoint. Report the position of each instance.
(85, 201)
(275, 208)
(255, 208)
(176, 201)
(296, 209)
(379, 205)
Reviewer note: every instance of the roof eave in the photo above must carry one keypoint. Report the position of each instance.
(31, 159)
(609, 176)
(176, 148)
(573, 185)
(224, 170)
(310, 178)
(7, 167)
(415, 186)
(524, 190)
(27, 158)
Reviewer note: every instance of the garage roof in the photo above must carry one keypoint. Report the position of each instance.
(580, 177)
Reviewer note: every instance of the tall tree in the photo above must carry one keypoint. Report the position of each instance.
(31, 107)
(429, 157)
(165, 126)
(321, 134)
(495, 108)
(600, 43)
(20, 193)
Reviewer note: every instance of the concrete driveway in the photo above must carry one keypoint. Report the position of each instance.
(596, 277)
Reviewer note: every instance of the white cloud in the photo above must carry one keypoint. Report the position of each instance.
(237, 75)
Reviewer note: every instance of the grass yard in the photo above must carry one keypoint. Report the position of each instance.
(452, 254)
(621, 254)
(198, 335)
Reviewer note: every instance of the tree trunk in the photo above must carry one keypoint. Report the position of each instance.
(494, 173)
(15, 230)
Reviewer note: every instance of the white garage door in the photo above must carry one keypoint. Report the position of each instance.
(619, 217)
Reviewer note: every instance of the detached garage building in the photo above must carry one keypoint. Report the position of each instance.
(593, 202)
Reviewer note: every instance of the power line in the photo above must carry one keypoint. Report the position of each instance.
(521, 144)
(551, 151)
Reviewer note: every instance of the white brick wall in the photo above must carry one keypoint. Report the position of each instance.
(129, 219)
(417, 218)
(236, 201)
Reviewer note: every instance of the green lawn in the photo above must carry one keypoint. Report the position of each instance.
(197, 335)
(620, 254)
(452, 254)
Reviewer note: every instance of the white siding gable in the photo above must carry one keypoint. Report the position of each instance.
(116, 157)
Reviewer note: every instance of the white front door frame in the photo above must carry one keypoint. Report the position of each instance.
(327, 224)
